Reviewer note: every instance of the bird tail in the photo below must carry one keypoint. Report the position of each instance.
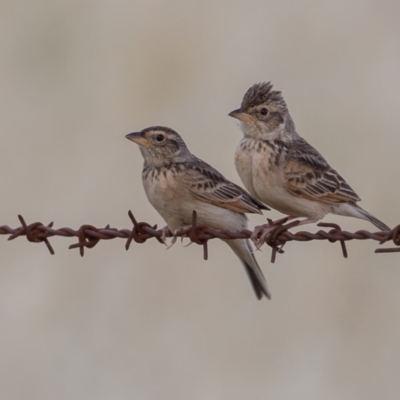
(369, 217)
(354, 210)
(243, 250)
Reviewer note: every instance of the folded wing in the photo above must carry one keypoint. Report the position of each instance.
(207, 184)
(307, 174)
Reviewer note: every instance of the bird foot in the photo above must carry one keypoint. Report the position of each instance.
(173, 241)
(260, 234)
(165, 233)
(182, 230)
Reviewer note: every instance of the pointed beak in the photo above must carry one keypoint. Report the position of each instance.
(138, 138)
(241, 115)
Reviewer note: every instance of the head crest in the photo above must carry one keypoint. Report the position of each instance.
(260, 93)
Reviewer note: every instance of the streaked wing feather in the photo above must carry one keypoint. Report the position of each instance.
(207, 184)
(307, 174)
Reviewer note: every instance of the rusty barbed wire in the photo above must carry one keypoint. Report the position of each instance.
(275, 234)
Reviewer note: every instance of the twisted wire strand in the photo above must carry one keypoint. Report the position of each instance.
(277, 234)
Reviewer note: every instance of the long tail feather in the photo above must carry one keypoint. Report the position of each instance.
(354, 210)
(379, 224)
(243, 250)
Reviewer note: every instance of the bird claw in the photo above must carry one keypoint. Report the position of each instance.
(175, 237)
(165, 232)
(260, 234)
(173, 241)
(268, 233)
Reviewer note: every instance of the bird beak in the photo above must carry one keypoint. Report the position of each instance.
(138, 138)
(241, 115)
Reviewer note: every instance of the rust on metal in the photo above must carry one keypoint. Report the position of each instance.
(275, 234)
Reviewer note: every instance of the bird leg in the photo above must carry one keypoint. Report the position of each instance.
(261, 232)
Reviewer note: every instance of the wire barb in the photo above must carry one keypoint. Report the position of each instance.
(275, 234)
(32, 233)
(336, 229)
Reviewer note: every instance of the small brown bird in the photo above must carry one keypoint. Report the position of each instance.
(176, 182)
(279, 168)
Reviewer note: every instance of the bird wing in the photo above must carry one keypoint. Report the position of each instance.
(307, 174)
(207, 184)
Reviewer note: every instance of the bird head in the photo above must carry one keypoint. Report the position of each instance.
(263, 111)
(160, 145)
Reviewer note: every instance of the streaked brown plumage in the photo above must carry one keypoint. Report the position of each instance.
(176, 182)
(281, 169)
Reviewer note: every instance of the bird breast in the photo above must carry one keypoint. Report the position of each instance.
(260, 165)
(257, 163)
(169, 195)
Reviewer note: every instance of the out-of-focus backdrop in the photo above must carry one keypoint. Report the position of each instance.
(75, 77)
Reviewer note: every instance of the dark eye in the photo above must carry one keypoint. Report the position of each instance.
(264, 111)
(159, 138)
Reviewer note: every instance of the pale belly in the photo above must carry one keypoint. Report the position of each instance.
(175, 204)
(265, 181)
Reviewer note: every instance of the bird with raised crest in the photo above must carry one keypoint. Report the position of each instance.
(281, 169)
(176, 183)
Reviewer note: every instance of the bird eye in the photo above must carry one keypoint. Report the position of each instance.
(264, 111)
(159, 138)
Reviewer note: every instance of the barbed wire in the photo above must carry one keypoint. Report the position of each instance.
(275, 234)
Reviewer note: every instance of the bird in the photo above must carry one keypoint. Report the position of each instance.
(176, 183)
(281, 169)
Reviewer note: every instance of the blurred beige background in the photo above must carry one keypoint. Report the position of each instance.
(75, 77)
